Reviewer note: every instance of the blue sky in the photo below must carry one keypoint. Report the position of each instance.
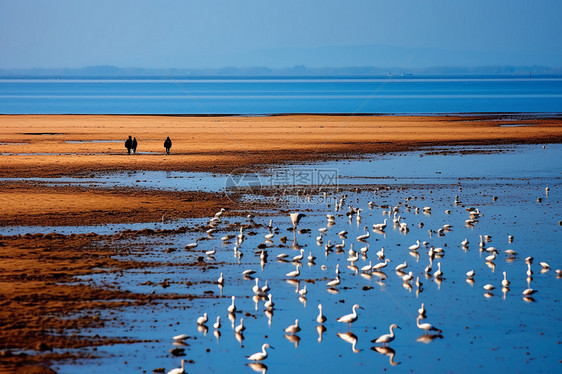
(274, 33)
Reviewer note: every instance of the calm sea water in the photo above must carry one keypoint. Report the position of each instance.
(267, 96)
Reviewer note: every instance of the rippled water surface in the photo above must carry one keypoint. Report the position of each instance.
(497, 332)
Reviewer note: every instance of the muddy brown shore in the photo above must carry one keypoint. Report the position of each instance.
(44, 308)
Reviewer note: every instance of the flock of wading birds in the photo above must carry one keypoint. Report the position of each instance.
(367, 271)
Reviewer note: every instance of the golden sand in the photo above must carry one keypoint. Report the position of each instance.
(38, 146)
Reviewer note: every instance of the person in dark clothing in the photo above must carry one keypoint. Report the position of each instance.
(129, 144)
(168, 145)
(134, 145)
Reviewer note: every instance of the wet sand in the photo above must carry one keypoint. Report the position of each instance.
(37, 272)
(55, 145)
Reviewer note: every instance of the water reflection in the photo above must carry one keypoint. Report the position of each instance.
(258, 367)
(428, 338)
(321, 329)
(387, 351)
(295, 339)
(350, 338)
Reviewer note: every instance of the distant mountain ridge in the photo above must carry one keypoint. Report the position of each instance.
(109, 71)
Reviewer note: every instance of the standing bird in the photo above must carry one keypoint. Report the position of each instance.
(232, 307)
(260, 356)
(203, 319)
(295, 219)
(350, 318)
(294, 273)
(292, 329)
(321, 318)
(427, 327)
(180, 370)
(386, 338)
(240, 328)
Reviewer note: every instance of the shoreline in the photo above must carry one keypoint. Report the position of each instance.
(39, 146)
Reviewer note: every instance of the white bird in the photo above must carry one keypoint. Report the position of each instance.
(240, 327)
(350, 318)
(294, 273)
(269, 236)
(292, 329)
(491, 257)
(421, 310)
(269, 304)
(529, 271)
(217, 325)
(311, 258)
(464, 243)
(298, 258)
(321, 318)
(265, 289)
(438, 273)
(281, 256)
(180, 337)
(248, 272)
(427, 327)
(408, 277)
(401, 266)
(505, 282)
(386, 338)
(303, 291)
(364, 236)
(180, 370)
(256, 289)
(342, 233)
(380, 253)
(203, 319)
(260, 356)
(470, 273)
(295, 218)
(380, 226)
(489, 287)
(545, 265)
(415, 247)
(334, 282)
(220, 280)
(529, 291)
(381, 265)
(367, 267)
(232, 307)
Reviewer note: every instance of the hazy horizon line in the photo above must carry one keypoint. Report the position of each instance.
(295, 70)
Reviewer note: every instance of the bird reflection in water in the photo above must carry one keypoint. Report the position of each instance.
(321, 330)
(258, 367)
(387, 351)
(202, 328)
(293, 339)
(350, 338)
(428, 338)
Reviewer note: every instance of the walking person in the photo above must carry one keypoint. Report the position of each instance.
(134, 145)
(129, 144)
(168, 145)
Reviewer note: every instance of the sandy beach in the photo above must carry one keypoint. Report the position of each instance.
(35, 268)
(55, 145)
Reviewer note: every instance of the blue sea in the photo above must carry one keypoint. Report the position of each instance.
(259, 96)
